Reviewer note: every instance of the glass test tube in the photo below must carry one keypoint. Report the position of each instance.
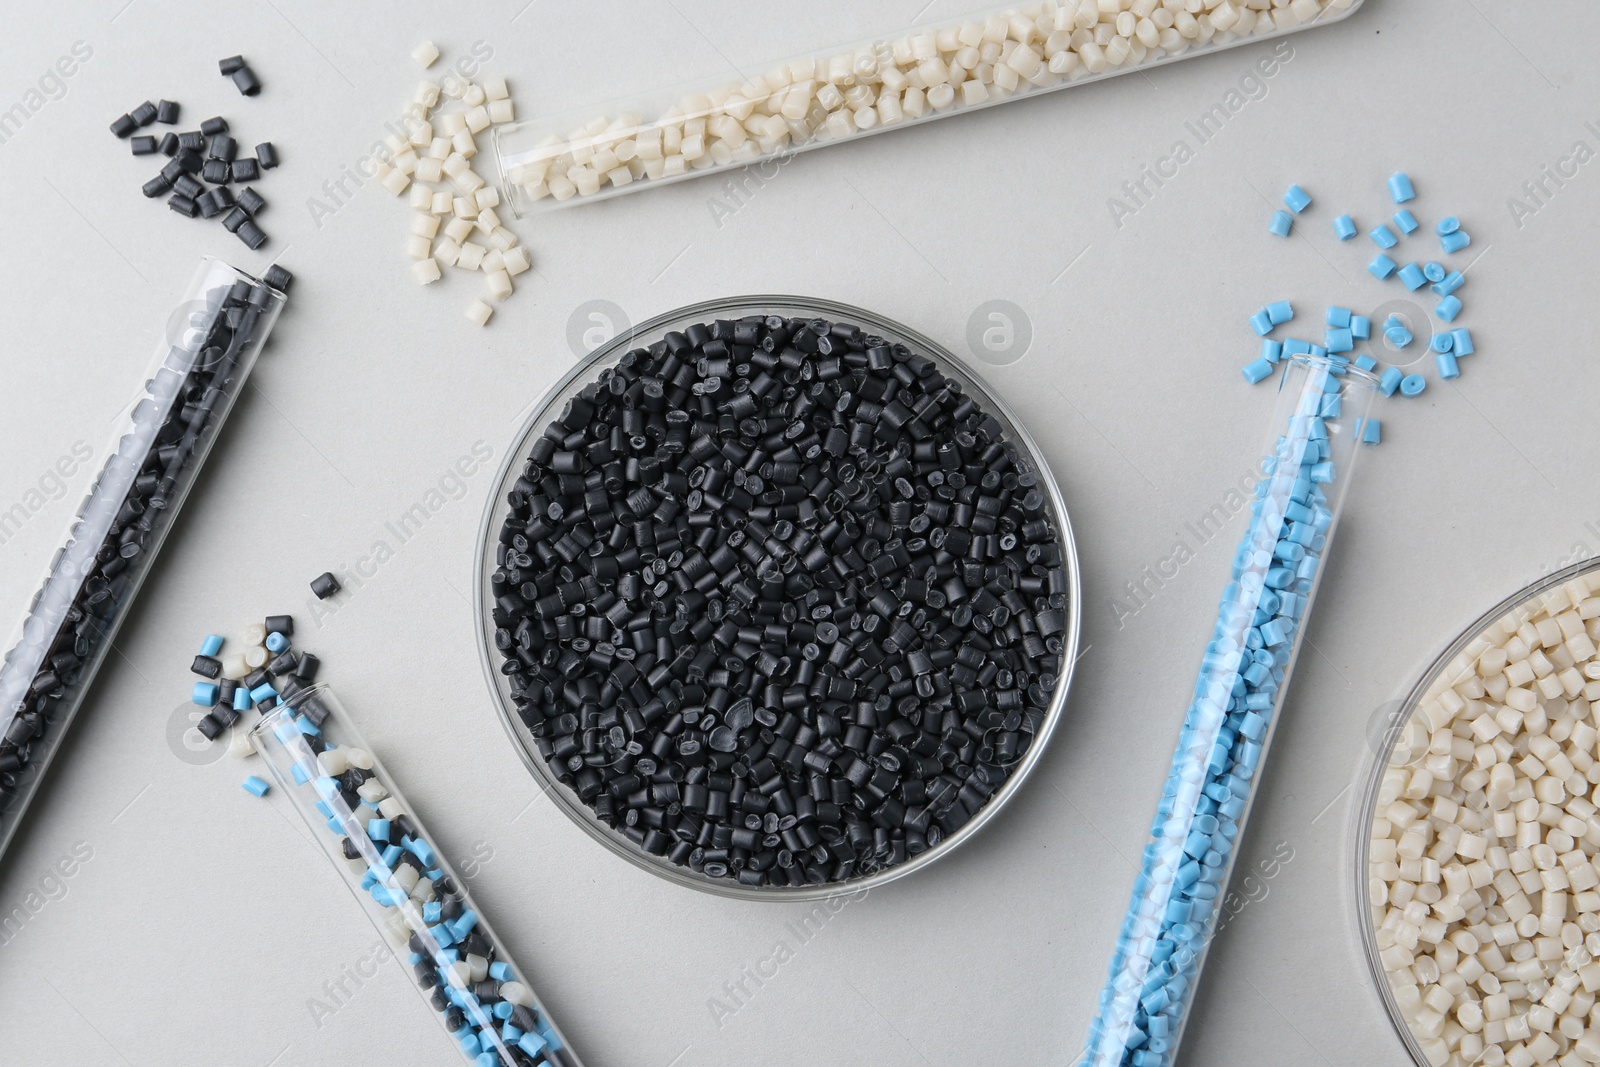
(210, 344)
(1237, 702)
(405, 885)
(841, 94)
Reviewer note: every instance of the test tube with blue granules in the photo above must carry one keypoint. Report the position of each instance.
(1322, 407)
(405, 885)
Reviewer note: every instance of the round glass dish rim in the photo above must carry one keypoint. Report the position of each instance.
(1380, 761)
(579, 813)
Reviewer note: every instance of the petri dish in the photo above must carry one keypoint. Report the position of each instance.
(1401, 752)
(608, 355)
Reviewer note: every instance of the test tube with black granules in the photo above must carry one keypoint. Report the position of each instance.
(211, 342)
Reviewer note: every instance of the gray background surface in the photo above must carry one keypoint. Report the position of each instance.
(204, 922)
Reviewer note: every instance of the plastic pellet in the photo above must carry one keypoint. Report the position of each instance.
(1401, 189)
(1434, 272)
(124, 125)
(169, 144)
(803, 616)
(1372, 432)
(1280, 312)
(1383, 267)
(217, 172)
(1448, 309)
(426, 271)
(1411, 274)
(167, 112)
(1281, 223)
(277, 276)
(1452, 281)
(1261, 323)
(1397, 335)
(499, 284)
(305, 668)
(1338, 317)
(204, 694)
(1455, 242)
(1440, 342)
(143, 146)
(1257, 371)
(252, 235)
(1297, 199)
(266, 155)
(251, 201)
(277, 624)
(1448, 368)
(1339, 341)
(479, 312)
(1366, 363)
(255, 786)
(1384, 237)
(324, 585)
(1390, 380)
(1413, 385)
(214, 125)
(245, 80)
(144, 114)
(1447, 225)
(157, 186)
(1517, 697)
(425, 54)
(1271, 350)
(244, 170)
(210, 205)
(191, 141)
(1461, 342)
(211, 645)
(1406, 222)
(1361, 327)
(229, 65)
(1344, 227)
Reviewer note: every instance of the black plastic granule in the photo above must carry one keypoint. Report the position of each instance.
(778, 601)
